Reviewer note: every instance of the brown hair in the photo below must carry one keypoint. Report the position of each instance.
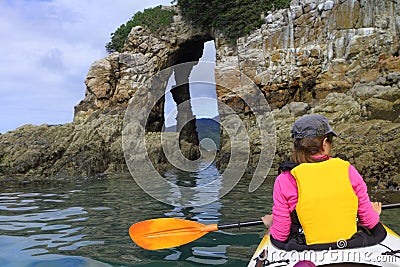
(306, 148)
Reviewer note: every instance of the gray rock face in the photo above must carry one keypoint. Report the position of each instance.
(339, 58)
(317, 47)
(63, 151)
(113, 80)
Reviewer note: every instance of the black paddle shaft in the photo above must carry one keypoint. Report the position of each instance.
(391, 206)
(239, 224)
(252, 223)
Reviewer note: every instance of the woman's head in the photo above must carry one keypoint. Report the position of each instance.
(313, 136)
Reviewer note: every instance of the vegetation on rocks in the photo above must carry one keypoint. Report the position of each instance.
(153, 18)
(234, 18)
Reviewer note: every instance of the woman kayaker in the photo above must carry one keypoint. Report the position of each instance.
(316, 196)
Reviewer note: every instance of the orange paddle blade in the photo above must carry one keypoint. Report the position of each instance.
(167, 232)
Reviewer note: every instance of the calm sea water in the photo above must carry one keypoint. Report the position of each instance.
(85, 222)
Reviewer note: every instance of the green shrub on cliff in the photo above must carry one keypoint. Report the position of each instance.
(153, 18)
(234, 18)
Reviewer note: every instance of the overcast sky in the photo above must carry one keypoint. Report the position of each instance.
(46, 50)
(202, 89)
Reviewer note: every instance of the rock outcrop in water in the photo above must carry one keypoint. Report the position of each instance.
(339, 58)
(367, 120)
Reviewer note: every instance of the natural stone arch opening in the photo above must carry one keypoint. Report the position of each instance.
(184, 60)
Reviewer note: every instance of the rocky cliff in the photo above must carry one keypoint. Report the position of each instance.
(317, 47)
(339, 58)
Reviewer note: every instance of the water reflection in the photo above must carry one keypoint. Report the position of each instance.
(25, 251)
(206, 185)
(41, 226)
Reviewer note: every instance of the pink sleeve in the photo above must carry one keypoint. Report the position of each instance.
(366, 214)
(285, 199)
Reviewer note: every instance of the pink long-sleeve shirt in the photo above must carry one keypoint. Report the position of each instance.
(285, 199)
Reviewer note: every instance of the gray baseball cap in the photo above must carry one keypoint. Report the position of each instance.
(311, 126)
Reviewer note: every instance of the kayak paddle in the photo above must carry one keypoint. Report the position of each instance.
(171, 232)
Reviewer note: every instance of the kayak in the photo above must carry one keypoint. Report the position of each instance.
(386, 253)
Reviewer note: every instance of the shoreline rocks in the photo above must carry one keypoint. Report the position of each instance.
(338, 58)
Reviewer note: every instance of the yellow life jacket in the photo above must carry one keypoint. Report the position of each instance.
(327, 205)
